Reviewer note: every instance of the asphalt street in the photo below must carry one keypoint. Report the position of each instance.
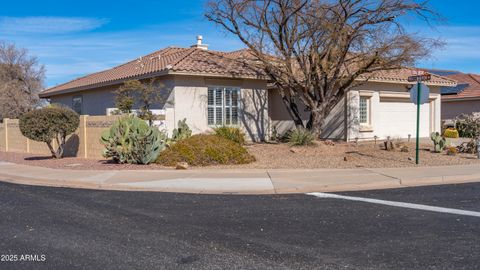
(87, 229)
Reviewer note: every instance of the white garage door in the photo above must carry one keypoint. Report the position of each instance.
(398, 118)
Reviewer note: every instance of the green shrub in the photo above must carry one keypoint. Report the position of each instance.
(204, 150)
(182, 132)
(230, 133)
(468, 126)
(468, 147)
(452, 150)
(49, 124)
(132, 140)
(451, 133)
(301, 136)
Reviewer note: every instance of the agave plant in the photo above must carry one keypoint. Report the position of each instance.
(132, 140)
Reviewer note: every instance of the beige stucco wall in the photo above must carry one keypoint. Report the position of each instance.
(333, 128)
(343, 122)
(190, 99)
(96, 102)
(452, 109)
(3, 141)
(186, 97)
(391, 92)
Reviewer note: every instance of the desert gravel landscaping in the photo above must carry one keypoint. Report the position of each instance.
(349, 155)
(280, 156)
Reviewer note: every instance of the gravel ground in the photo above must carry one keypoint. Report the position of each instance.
(277, 156)
(366, 154)
(72, 163)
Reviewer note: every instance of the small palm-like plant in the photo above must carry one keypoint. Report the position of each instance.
(234, 134)
(301, 136)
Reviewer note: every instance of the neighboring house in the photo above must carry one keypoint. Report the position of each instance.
(211, 88)
(462, 99)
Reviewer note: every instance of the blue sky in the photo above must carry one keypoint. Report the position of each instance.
(74, 38)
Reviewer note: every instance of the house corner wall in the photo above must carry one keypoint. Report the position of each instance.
(190, 102)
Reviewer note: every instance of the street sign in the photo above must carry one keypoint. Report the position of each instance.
(420, 78)
(424, 94)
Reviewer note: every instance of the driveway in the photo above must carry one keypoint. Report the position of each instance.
(90, 229)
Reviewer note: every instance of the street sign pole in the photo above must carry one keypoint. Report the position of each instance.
(419, 85)
(419, 99)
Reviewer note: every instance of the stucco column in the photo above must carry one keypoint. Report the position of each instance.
(83, 134)
(5, 123)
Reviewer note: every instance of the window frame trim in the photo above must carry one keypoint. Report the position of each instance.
(239, 105)
(81, 103)
(368, 99)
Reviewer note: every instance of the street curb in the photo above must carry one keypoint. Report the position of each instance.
(439, 180)
(281, 181)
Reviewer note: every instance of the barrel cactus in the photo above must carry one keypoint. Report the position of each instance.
(439, 142)
(132, 140)
(451, 133)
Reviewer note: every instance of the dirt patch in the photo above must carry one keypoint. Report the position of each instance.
(280, 156)
(71, 163)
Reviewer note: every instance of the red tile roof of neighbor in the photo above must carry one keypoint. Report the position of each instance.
(196, 61)
(469, 86)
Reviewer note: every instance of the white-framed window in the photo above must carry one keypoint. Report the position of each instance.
(77, 104)
(223, 106)
(364, 110)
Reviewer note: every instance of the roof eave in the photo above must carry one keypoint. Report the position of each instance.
(453, 99)
(102, 84)
(217, 75)
(150, 75)
(383, 80)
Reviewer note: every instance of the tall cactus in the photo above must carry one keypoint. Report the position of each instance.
(131, 140)
(439, 142)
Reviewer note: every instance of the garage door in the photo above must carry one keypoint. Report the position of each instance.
(397, 118)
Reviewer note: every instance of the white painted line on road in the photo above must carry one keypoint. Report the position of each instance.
(398, 204)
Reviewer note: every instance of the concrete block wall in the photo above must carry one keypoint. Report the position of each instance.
(83, 143)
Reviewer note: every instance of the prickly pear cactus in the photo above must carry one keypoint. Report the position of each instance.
(439, 142)
(132, 140)
(182, 132)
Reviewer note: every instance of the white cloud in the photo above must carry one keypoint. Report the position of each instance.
(48, 25)
(460, 51)
(73, 54)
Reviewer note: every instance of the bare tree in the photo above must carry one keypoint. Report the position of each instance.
(21, 79)
(145, 95)
(314, 51)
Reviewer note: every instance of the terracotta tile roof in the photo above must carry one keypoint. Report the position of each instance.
(468, 87)
(168, 60)
(195, 61)
(401, 76)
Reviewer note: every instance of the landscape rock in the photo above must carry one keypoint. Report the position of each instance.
(329, 142)
(182, 166)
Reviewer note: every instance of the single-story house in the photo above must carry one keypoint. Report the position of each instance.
(462, 99)
(211, 88)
